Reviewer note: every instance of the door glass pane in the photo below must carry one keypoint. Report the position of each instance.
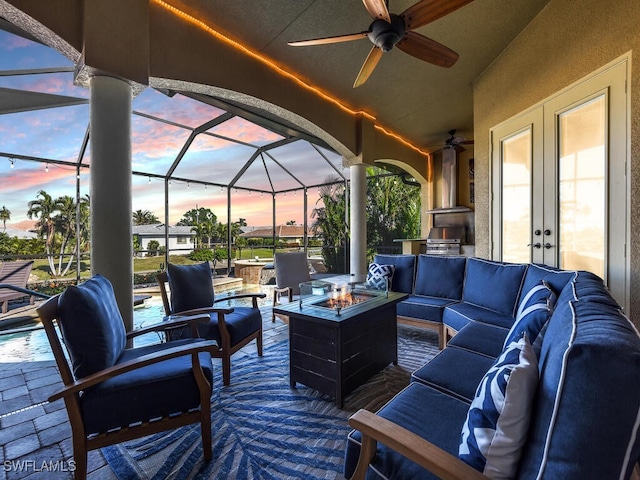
(582, 140)
(516, 197)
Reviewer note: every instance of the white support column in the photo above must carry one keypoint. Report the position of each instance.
(110, 172)
(358, 221)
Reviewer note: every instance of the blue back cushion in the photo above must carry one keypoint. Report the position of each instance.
(586, 407)
(440, 276)
(404, 271)
(91, 326)
(557, 279)
(493, 285)
(191, 286)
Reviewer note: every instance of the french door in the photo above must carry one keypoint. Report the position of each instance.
(559, 181)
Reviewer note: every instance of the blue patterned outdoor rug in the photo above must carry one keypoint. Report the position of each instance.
(262, 428)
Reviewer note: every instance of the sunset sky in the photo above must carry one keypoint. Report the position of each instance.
(57, 133)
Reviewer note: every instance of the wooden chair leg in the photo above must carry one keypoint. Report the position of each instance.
(205, 428)
(259, 342)
(226, 368)
(80, 459)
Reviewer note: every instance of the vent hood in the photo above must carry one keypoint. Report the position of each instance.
(449, 184)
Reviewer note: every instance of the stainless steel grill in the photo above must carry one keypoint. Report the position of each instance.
(445, 240)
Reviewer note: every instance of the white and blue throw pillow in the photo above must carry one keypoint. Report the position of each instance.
(498, 419)
(534, 312)
(379, 277)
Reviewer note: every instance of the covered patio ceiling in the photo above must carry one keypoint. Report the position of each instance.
(176, 136)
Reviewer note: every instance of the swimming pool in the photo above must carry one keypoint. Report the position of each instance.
(33, 346)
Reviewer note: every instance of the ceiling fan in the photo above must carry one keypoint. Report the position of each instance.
(388, 30)
(454, 142)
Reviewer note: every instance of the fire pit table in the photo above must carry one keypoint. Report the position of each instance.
(339, 335)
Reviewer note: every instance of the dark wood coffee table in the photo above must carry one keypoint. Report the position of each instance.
(333, 353)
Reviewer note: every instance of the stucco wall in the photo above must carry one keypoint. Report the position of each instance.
(567, 41)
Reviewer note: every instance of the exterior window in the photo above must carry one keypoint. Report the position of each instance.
(182, 240)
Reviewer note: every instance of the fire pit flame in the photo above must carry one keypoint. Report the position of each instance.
(342, 298)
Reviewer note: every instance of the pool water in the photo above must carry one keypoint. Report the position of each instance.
(33, 346)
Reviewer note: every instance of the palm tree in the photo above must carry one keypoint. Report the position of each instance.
(144, 217)
(5, 214)
(44, 208)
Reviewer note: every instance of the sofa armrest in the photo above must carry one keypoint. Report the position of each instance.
(377, 429)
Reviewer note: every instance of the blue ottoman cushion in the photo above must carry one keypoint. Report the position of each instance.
(454, 371)
(480, 338)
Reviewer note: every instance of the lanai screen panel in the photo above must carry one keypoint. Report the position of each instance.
(241, 130)
(178, 109)
(155, 145)
(54, 133)
(214, 160)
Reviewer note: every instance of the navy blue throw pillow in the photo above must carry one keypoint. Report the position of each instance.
(91, 326)
(380, 277)
(191, 286)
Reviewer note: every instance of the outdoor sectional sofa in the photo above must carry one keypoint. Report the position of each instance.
(555, 397)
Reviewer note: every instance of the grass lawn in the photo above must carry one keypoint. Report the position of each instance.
(148, 264)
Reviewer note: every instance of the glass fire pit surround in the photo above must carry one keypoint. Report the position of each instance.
(335, 296)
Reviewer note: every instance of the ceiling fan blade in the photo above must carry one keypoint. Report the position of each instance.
(367, 67)
(327, 40)
(428, 11)
(377, 9)
(426, 49)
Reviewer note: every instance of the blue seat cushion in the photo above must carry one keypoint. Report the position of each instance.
(91, 326)
(191, 286)
(424, 308)
(404, 272)
(440, 276)
(458, 315)
(146, 393)
(454, 371)
(241, 323)
(493, 285)
(480, 338)
(427, 412)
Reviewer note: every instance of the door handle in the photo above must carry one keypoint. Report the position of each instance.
(537, 245)
(547, 245)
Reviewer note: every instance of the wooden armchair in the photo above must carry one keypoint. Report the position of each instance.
(114, 394)
(377, 429)
(192, 293)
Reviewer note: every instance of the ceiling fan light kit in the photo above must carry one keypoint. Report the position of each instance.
(388, 30)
